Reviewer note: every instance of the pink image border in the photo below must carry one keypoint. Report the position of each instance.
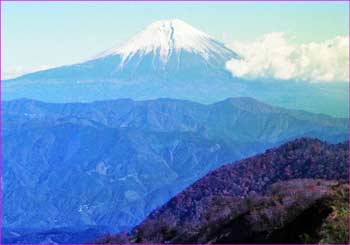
(136, 1)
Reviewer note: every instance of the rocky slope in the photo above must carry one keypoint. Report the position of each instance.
(285, 195)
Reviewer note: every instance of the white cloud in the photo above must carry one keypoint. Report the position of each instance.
(274, 56)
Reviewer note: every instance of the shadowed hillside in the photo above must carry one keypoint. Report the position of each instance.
(285, 195)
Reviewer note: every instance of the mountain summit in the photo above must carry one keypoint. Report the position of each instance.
(164, 38)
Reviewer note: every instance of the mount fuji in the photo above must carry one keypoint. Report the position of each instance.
(156, 62)
(170, 59)
(170, 50)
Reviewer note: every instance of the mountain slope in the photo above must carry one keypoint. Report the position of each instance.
(110, 163)
(245, 201)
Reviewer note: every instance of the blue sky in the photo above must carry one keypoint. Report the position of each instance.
(36, 35)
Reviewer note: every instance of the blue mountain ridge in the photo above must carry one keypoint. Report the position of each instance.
(110, 163)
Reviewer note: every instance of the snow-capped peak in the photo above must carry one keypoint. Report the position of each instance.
(162, 38)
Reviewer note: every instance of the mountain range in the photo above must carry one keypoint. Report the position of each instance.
(170, 59)
(110, 163)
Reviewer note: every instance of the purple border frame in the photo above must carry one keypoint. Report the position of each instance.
(214, 1)
(169, 1)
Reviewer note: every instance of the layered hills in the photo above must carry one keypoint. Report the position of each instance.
(111, 163)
